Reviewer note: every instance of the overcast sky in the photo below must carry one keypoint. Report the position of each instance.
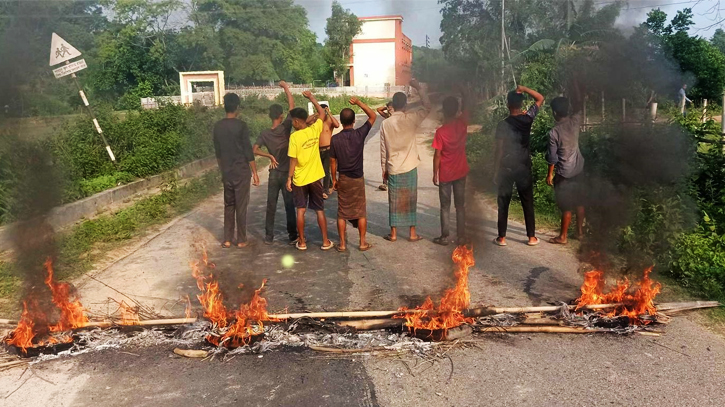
(422, 17)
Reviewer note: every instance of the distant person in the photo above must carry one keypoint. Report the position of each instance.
(329, 123)
(512, 163)
(399, 159)
(566, 165)
(276, 141)
(682, 99)
(385, 111)
(450, 166)
(347, 158)
(305, 171)
(236, 162)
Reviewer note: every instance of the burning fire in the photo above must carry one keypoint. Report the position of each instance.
(35, 328)
(632, 305)
(247, 320)
(450, 312)
(129, 316)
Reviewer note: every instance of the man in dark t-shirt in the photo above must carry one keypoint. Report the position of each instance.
(513, 162)
(346, 157)
(236, 163)
(276, 141)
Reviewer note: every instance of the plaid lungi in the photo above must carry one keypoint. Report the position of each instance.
(403, 198)
(351, 203)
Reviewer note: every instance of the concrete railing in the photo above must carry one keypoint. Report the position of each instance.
(66, 215)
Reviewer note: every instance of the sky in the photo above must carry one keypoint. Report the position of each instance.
(422, 17)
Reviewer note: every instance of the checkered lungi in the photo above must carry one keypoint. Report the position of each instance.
(403, 198)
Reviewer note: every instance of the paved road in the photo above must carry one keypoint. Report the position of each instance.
(685, 367)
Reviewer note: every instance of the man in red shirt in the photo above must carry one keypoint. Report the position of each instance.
(450, 166)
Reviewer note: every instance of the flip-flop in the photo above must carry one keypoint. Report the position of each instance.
(555, 240)
(341, 249)
(415, 239)
(535, 243)
(327, 247)
(224, 245)
(299, 247)
(390, 238)
(499, 243)
(366, 248)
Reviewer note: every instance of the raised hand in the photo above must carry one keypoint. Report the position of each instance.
(283, 84)
(307, 94)
(354, 101)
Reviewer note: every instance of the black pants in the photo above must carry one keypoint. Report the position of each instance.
(278, 183)
(456, 188)
(525, 186)
(325, 157)
(236, 200)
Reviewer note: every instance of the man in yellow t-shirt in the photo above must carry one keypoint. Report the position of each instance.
(306, 172)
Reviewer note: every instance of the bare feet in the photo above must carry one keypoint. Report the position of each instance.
(557, 240)
(226, 245)
(242, 245)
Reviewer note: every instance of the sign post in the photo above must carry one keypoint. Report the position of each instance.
(61, 51)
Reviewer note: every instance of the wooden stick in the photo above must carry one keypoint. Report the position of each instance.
(371, 324)
(8, 322)
(534, 329)
(343, 314)
(337, 350)
(147, 322)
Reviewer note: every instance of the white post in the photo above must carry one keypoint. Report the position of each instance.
(704, 110)
(653, 111)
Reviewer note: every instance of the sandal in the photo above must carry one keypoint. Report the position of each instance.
(499, 242)
(390, 238)
(226, 245)
(327, 246)
(417, 238)
(300, 245)
(366, 247)
(534, 243)
(341, 249)
(557, 240)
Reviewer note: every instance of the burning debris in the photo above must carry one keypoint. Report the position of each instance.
(625, 308)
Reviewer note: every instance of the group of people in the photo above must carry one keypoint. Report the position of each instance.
(300, 146)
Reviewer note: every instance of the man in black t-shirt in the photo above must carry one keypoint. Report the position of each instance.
(513, 162)
(276, 140)
(346, 153)
(236, 162)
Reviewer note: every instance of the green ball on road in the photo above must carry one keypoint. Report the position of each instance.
(288, 261)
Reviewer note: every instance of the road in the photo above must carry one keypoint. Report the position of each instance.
(684, 367)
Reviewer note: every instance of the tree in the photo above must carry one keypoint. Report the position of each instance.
(718, 40)
(341, 28)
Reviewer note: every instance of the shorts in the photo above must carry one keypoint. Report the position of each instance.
(568, 192)
(309, 196)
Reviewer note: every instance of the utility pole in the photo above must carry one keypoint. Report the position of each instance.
(503, 43)
(427, 41)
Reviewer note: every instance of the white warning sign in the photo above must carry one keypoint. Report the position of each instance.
(61, 51)
(70, 68)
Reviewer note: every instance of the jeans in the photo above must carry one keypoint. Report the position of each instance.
(278, 183)
(236, 200)
(456, 188)
(525, 187)
(327, 181)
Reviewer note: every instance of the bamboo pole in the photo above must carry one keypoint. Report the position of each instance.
(534, 329)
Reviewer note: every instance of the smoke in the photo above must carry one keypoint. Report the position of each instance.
(634, 13)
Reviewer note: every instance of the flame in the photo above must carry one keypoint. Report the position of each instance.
(187, 311)
(129, 316)
(450, 312)
(35, 329)
(632, 305)
(247, 320)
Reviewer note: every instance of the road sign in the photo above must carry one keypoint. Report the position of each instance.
(61, 51)
(70, 68)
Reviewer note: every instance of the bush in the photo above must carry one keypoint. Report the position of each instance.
(697, 260)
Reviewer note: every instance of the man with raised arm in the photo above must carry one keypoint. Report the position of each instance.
(399, 159)
(513, 162)
(566, 162)
(329, 124)
(305, 171)
(276, 141)
(346, 155)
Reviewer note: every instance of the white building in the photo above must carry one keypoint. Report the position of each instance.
(381, 53)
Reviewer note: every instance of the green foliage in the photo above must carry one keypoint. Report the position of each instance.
(342, 26)
(104, 182)
(697, 260)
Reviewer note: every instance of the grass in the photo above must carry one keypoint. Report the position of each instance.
(86, 243)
